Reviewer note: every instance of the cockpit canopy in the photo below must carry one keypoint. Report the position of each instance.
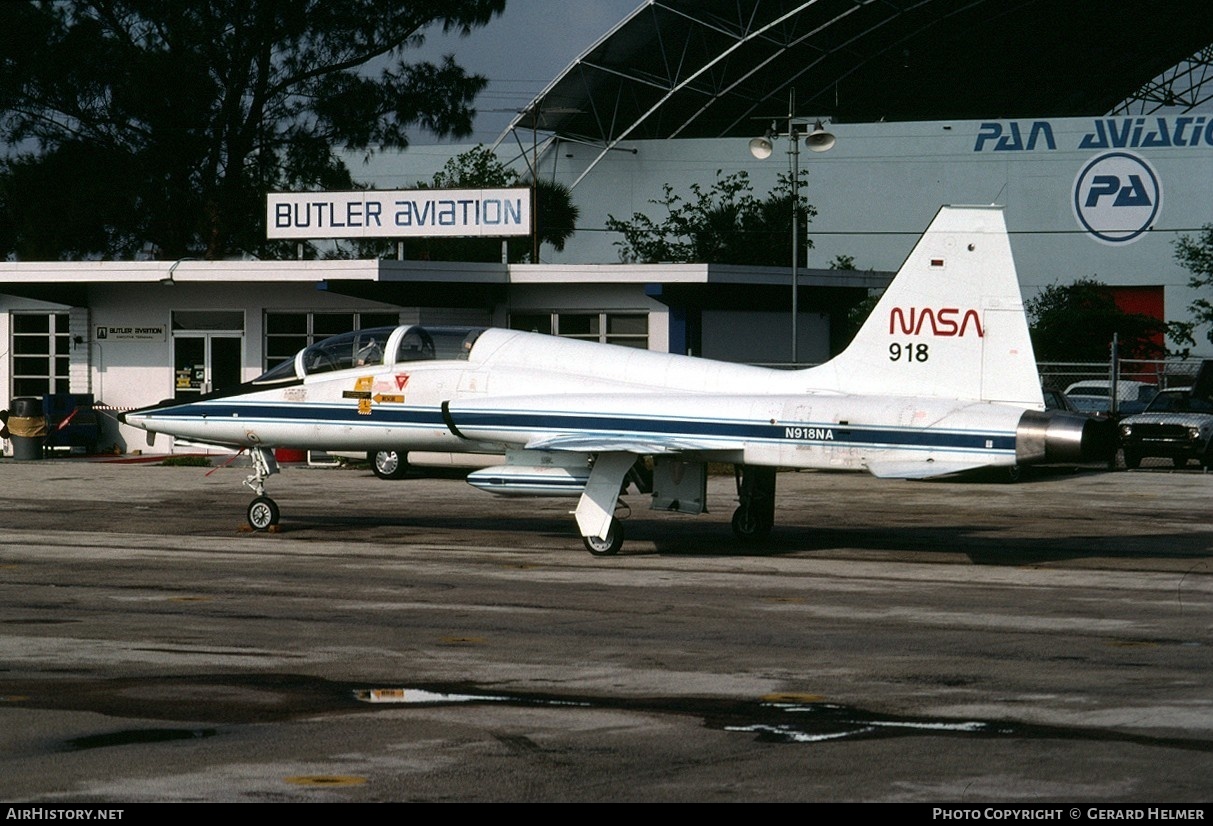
(376, 347)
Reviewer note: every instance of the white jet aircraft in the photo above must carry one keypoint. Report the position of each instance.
(941, 378)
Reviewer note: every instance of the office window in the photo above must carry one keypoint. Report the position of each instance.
(532, 322)
(286, 333)
(41, 353)
(626, 329)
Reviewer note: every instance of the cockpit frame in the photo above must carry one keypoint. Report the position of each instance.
(375, 347)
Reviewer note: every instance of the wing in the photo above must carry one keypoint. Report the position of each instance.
(643, 445)
(642, 424)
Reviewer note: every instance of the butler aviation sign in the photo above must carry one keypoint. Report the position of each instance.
(409, 213)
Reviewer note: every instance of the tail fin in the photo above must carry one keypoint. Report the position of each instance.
(951, 324)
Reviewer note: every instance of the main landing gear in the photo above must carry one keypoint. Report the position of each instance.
(263, 511)
(755, 516)
(601, 531)
(608, 545)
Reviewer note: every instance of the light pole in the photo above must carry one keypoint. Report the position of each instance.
(817, 140)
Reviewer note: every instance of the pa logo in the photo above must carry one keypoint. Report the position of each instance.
(1117, 196)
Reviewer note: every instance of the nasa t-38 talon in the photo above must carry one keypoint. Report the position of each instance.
(941, 378)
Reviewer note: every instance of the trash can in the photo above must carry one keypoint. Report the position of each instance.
(27, 428)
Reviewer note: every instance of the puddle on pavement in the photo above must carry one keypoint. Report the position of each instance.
(137, 736)
(772, 720)
(777, 721)
(198, 702)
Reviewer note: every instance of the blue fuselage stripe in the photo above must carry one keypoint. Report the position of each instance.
(737, 430)
(479, 423)
(302, 414)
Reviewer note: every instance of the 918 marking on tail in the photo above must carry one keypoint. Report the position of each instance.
(909, 352)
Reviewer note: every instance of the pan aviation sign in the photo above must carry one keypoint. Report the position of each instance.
(1117, 196)
(408, 213)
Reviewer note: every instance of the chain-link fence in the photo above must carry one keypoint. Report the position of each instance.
(1163, 373)
(1175, 431)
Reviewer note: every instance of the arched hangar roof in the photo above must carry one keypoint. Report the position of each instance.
(724, 68)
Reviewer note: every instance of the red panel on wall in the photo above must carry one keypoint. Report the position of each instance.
(1140, 300)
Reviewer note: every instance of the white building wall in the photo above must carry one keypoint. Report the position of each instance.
(79, 374)
(880, 185)
(125, 374)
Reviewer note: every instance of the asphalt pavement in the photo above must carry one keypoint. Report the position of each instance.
(958, 641)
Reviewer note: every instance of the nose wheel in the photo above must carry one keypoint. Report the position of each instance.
(262, 513)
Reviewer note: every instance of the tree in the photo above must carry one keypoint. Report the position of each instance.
(859, 311)
(725, 224)
(1076, 322)
(555, 214)
(174, 118)
(1195, 254)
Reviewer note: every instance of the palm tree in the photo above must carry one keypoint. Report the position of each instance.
(555, 214)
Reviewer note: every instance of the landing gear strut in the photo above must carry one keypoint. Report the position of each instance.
(755, 516)
(263, 511)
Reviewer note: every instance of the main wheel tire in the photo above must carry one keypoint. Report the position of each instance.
(1132, 460)
(609, 546)
(749, 528)
(388, 464)
(1180, 461)
(262, 513)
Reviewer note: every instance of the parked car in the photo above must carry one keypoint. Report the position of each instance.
(395, 464)
(1175, 424)
(1057, 400)
(1093, 396)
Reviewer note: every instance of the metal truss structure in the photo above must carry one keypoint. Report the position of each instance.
(724, 68)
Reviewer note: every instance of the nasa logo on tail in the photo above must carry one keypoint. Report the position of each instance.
(1117, 197)
(943, 322)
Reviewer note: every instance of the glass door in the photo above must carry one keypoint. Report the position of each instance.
(205, 363)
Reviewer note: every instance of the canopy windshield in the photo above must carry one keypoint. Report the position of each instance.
(370, 348)
(449, 343)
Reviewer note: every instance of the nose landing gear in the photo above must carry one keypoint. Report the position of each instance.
(263, 511)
